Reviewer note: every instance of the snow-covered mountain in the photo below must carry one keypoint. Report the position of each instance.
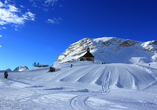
(8, 69)
(111, 50)
(21, 68)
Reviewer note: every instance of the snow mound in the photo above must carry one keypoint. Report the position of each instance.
(21, 68)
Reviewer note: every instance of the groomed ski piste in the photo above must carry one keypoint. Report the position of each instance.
(85, 86)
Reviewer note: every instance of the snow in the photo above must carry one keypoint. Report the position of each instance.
(150, 45)
(85, 86)
(21, 68)
(103, 39)
(154, 57)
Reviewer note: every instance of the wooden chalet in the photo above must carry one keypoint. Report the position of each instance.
(87, 57)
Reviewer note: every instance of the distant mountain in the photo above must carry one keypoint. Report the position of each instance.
(111, 50)
(8, 69)
(21, 68)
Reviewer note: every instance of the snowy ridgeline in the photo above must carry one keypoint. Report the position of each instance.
(85, 86)
(19, 68)
(111, 50)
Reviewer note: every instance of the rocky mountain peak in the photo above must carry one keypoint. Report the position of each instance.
(108, 49)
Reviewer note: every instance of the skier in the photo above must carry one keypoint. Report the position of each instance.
(71, 65)
(6, 74)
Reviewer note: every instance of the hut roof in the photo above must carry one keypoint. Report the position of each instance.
(88, 54)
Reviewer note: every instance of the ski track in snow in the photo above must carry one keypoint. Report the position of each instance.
(88, 87)
(79, 102)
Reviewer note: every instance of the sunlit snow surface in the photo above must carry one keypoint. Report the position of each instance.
(85, 86)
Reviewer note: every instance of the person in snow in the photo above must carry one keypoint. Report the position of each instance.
(6, 74)
(51, 69)
(71, 65)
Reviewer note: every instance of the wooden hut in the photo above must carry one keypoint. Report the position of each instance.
(87, 57)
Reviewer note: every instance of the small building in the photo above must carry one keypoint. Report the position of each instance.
(87, 57)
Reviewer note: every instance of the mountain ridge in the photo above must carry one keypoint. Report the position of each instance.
(110, 50)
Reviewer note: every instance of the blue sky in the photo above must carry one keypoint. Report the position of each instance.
(40, 30)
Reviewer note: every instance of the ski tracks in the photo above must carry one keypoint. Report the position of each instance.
(79, 102)
(106, 82)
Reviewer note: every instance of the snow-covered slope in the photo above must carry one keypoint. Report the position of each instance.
(128, 76)
(85, 86)
(111, 50)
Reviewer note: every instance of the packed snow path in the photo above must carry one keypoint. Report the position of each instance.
(83, 87)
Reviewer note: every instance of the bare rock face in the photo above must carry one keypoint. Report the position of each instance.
(107, 49)
(74, 51)
(154, 42)
(128, 43)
